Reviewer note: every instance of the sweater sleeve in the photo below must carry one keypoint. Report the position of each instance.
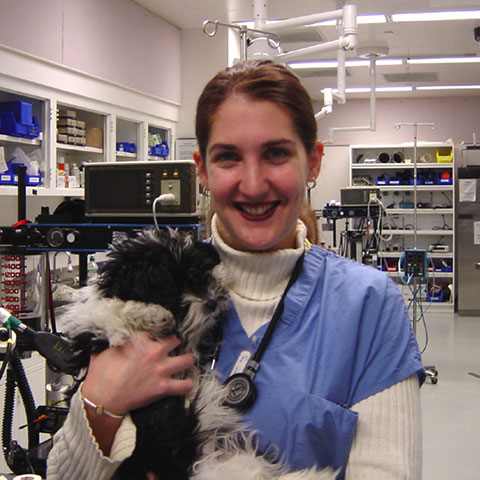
(388, 442)
(75, 453)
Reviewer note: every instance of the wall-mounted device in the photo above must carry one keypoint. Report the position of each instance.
(126, 189)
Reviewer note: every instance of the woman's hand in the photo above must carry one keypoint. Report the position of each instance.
(131, 376)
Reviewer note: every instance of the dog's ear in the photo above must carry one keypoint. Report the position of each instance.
(142, 268)
(197, 262)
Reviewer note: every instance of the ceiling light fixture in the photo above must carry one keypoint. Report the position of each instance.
(448, 87)
(405, 88)
(436, 16)
(433, 60)
(348, 63)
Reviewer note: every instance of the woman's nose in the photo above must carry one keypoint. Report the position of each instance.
(253, 180)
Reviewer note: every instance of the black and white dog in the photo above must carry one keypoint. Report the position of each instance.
(164, 283)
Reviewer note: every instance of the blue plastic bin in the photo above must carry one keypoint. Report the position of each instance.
(21, 110)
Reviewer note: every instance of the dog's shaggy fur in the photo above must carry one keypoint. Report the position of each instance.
(163, 283)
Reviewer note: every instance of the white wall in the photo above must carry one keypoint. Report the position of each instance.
(202, 58)
(456, 118)
(113, 39)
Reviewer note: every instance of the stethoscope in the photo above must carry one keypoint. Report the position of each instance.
(241, 392)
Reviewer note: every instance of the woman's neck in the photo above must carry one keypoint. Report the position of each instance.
(259, 275)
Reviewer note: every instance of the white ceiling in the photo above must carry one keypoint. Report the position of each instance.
(416, 39)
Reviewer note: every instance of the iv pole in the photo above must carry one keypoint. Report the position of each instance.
(431, 370)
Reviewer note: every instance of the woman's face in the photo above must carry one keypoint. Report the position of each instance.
(256, 169)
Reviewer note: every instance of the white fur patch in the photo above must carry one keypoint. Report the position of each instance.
(113, 319)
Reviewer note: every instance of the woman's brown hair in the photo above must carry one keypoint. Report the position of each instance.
(258, 80)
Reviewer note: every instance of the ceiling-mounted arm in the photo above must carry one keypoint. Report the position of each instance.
(348, 35)
(210, 29)
(347, 40)
(346, 18)
(372, 53)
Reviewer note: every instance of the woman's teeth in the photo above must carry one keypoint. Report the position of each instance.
(258, 210)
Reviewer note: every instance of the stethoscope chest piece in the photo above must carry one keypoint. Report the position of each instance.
(241, 392)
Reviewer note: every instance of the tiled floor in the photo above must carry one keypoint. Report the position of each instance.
(451, 408)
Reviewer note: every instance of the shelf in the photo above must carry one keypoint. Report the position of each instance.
(400, 253)
(21, 140)
(78, 148)
(420, 211)
(420, 188)
(430, 274)
(126, 155)
(388, 231)
(397, 239)
(398, 166)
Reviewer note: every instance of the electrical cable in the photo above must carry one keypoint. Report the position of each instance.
(416, 296)
(27, 397)
(164, 199)
(7, 353)
(448, 199)
(8, 407)
(51, 308)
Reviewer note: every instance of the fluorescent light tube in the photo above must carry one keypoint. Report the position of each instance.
(467, 59)
(448, 87)
(378, 89)
(435, 16)
(348, 63)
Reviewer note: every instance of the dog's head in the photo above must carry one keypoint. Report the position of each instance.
(159, 281)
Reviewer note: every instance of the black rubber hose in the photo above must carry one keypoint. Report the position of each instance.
(27, 397)
(8, 407)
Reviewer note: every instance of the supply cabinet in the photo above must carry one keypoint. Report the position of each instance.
(56, 132)
(421, 217)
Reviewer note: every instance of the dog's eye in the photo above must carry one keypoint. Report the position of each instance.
(211, 304)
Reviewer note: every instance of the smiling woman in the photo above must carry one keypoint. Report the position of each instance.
(258, 150)
(317, 348)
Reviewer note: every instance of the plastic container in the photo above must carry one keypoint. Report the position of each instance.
(22, 111)
(9, 126)
(92, 268)
(444, 155)
(127, 147)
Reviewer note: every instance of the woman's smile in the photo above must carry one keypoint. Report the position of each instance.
(257, 211)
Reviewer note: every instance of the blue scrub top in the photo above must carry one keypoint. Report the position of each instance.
(344, 335)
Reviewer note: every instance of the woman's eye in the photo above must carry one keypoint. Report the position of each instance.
(226, 157)
(277, 154)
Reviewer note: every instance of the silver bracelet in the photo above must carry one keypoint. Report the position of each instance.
(99, 410)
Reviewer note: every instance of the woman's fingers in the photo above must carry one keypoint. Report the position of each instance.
(137, 373)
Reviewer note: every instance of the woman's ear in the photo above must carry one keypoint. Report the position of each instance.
(201, 169)
(315, 160)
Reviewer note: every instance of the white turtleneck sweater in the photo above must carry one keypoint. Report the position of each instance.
(387, 444)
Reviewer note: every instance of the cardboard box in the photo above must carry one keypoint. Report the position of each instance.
(63, 113)
(94, 137)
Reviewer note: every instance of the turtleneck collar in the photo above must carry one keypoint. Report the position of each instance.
(247, 271)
